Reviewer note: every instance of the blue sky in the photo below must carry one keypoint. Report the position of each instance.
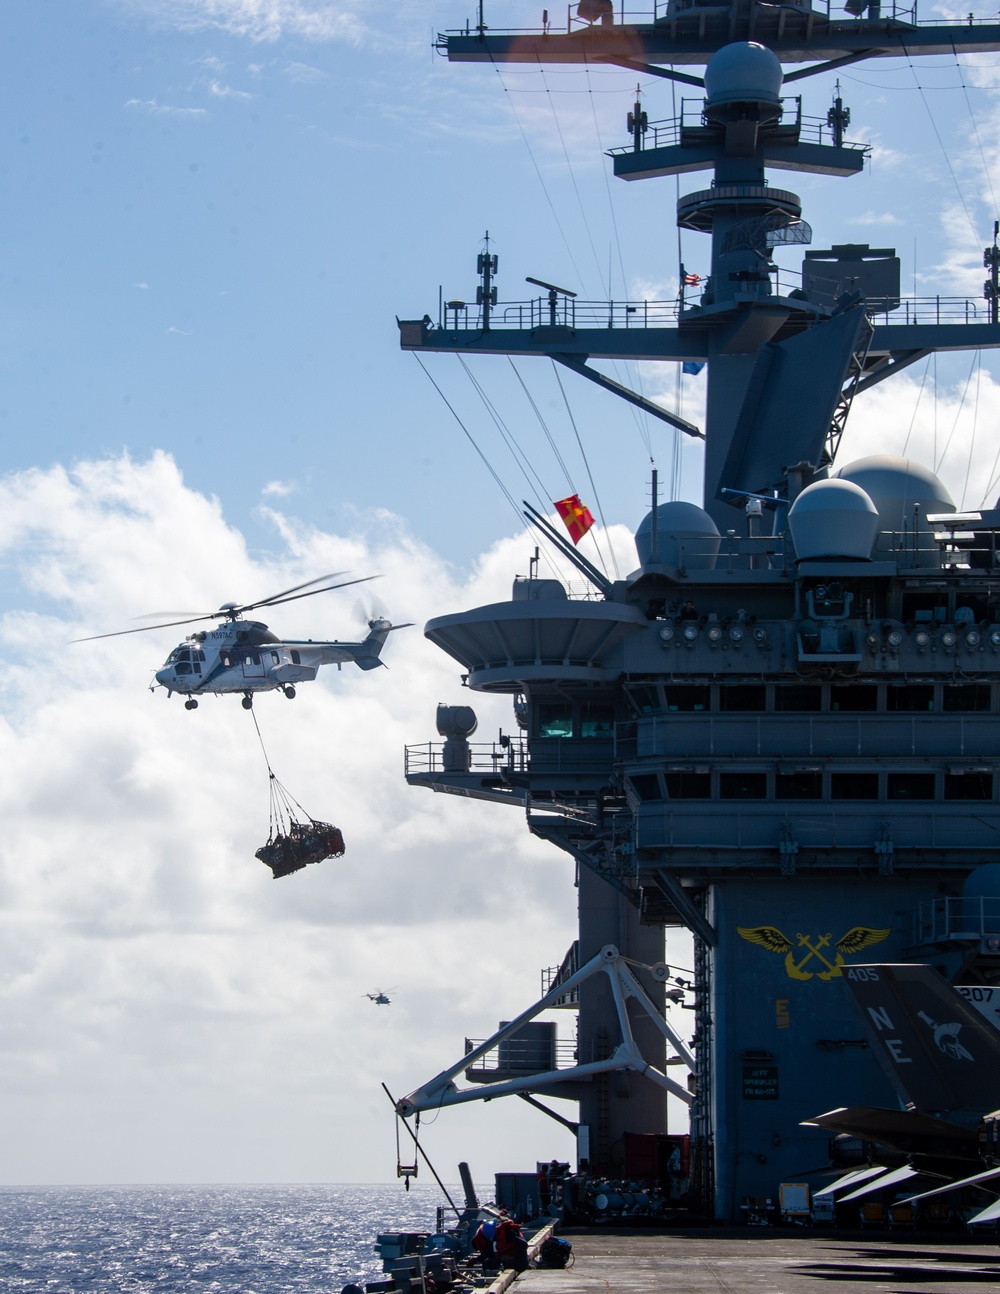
(213, 210)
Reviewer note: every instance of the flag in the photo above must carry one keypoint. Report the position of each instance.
(692, 366)
(692, 280)
(576, 517)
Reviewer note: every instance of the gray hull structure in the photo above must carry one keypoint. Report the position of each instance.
(802, 763)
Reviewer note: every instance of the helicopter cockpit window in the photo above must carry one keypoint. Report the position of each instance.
(275, 658)
(296, 658)
(182, 667)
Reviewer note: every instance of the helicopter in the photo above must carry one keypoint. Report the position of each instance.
(378, 997)
(243, 656)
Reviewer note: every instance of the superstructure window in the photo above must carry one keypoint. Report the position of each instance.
(647, 786)
(854, 786)
(742, 696)
(968, 786)
(743, 786)
(798, 786)
(909, 786)
(798, 696)
(597, 720)
(688, 697)
(853, 698)
(555, 719)
(645, 700)
(688, 786)
(910, 698)
(966, 697)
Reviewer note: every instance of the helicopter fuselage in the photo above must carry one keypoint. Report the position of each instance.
(243, 656)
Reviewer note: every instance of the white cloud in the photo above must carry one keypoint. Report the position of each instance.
(219, 91)
(157, 988)
(259, 20)
(279, 489)
(164, 109)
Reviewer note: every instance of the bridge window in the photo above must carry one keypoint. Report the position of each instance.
(689, 786)
(968, 786)
(597, 720)
(966, 697)
(909, 698)
(647, 786)
(555, 719)
(853, 698)
(742, 696)
(798, 696)
(798, 786)
(688, 697)
(909, 786)
(854, 786)
(743, 786)
(645, 700)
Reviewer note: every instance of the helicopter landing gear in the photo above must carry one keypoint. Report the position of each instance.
(289, 691)
(247, 702)
(191, 704)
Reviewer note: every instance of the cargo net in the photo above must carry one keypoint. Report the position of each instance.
(295, 839)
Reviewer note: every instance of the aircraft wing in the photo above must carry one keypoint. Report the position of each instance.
(853, 1178)
(990, 1175)
(989, 1214)
(938, 1051)
(908, 1131)
(879, 1183)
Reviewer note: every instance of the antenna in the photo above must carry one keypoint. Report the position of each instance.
(991, 288)
(654, 546)
(554, 294)
(838, 118)
(637, 121)
(486, 266)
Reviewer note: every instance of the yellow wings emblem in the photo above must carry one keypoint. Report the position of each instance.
(859, 937)
(769, 937)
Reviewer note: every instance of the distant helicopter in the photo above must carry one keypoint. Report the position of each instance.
(379, 998)
(244, 656)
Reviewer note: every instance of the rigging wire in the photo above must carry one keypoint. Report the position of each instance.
(961, 405)
(576, 189)
(590, 477)
(975, 127)
(975, 423)
(538, 172)
(640, 419)
(471, 439)
(543, 424)
(517, 453)
(944, 151)
(916, 407)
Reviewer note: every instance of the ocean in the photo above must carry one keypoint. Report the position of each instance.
(224, 1239)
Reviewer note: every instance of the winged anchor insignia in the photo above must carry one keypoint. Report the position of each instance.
(771, 938)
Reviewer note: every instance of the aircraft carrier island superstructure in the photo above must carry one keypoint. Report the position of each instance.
(780, 731)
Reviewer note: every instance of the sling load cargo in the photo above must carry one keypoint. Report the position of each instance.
(296, 839)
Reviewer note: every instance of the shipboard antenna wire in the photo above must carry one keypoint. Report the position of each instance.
(944, 152)
(590, 477)
(958, 413)
(975, 424)
(975, 128)
(419, 1149)
(517, 453)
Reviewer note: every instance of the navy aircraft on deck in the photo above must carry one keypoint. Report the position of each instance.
(943, 1057)
(243, 656)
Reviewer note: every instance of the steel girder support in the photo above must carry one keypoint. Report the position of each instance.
(441, 1090)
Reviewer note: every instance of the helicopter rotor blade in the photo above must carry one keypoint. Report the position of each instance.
(166, 624)
(275, 597)
(276, 601)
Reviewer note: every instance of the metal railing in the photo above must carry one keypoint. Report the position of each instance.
(525, 1055)
(941, 920)
(668, 132)
(484, 757)
(928, 310)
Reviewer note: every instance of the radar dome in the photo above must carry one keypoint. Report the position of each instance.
(904, 492)
(743, 72)
(686, 536)
(983, 882)
(833, 519)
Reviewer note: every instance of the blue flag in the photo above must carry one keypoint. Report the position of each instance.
(692, 366)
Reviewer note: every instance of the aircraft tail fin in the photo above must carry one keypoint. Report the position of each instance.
(937, 1050)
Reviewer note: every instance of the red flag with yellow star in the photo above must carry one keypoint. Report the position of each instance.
(576, 517)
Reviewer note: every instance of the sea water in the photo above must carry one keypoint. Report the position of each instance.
(224, 1239)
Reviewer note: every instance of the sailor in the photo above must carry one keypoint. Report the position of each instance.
(688, 612)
